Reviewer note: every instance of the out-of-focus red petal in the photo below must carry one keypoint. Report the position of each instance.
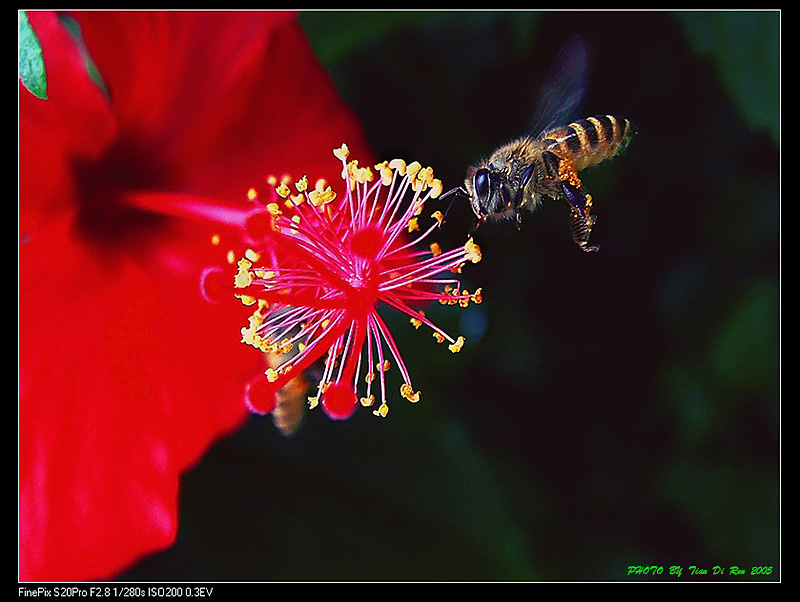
(126, 378)
(75, 121)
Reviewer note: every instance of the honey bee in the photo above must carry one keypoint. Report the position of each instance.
(545, 163)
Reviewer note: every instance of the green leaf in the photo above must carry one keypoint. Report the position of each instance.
(31, 62)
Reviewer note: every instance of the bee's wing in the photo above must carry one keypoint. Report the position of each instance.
(563, 90)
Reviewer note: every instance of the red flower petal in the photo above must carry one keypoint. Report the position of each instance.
(127, 374)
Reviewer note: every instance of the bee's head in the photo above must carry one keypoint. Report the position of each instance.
(488, 192)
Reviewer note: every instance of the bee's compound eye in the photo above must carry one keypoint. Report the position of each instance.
(481, 183)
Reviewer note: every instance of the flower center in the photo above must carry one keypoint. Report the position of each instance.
(102, 186)
(366, 243)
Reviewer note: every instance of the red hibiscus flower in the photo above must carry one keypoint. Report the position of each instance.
(321, 264)
(126, 375)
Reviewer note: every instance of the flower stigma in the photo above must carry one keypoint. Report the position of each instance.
(322, 261)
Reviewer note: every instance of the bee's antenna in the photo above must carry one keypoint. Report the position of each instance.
(457, 191)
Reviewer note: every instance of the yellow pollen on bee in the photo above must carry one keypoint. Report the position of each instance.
(408, 392)
(456, 347)
(568, 173)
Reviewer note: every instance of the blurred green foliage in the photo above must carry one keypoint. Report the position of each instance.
(608, 410)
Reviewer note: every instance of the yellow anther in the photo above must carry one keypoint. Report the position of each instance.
(413, 224)
(438, 216)
(382, 410)
(321, 194)
(252, 195)
(412, 169)
(252, 255)
(246, 300)
(342, 152)
(367, 401)
(215, 239)
(283, 190)
(272, 375)
(416, 322)
(436, 249)
(399, 165)
(473, 251)
(364, 175)
(387, 173)
(436, 188)
(425, 175)
(244, 277)
(456, 347)
(439, 337)
(408, 392)
(302, 184)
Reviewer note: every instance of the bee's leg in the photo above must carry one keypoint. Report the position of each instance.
(581, 220)
(581, 229)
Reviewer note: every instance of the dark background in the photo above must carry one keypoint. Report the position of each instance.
(609, 409)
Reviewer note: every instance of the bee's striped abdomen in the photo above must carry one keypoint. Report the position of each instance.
(590, 141)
